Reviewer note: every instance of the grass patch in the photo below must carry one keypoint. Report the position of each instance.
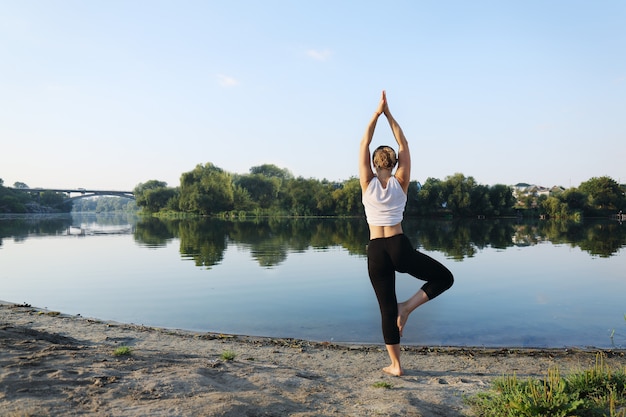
(123, 351)
(382, 384)
(597, 392)
(228, 355)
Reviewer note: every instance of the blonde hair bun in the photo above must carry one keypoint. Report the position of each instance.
(384, 157)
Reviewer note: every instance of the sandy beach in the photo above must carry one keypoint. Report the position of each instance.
(53, 364)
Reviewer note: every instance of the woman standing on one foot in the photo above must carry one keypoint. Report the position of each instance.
(389, 250)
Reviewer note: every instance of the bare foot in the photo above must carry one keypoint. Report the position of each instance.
(403, 316)
(394, 371)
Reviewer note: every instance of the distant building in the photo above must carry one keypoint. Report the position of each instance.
(557, 189)
(523, 190)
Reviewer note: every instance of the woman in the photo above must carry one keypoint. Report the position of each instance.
(389, 250)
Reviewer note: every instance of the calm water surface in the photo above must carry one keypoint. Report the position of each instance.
(537, 284)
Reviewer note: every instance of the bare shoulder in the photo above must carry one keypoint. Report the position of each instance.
(403, 182)
(365, 182)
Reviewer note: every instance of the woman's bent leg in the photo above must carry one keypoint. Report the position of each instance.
(407, 260)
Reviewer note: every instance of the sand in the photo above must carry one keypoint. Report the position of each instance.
(53, 364)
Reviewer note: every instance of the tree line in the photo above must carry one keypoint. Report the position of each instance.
(104, 205)
(270, 190)
(12, 201)
(596, 197)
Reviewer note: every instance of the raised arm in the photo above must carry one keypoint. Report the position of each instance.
(403, 172)
(365, 162)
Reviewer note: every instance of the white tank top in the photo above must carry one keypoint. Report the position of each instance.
(384, 206)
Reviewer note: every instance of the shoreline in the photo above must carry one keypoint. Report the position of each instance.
(57, 364)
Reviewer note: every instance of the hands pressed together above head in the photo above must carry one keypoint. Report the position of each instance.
(383, 107)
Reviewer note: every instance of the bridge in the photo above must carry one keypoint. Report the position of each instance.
(77, 193)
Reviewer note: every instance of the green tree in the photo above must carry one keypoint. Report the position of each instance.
(206, 190)
(501, 198)
(324, 201)
(242, 201)
(270, 170)
(154, 195)
(347, 198)
(604, 193)
(554, 207)
(161, 198)
(458, 191)
(480, 201)
(575, 199)
(299, 197)
(430, 199)
(262, 189)
(11, 204)
(54, 200)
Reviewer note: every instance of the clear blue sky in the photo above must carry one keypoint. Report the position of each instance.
(108, 94)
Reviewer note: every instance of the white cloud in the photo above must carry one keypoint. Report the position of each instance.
(227, 81)
(318, 55)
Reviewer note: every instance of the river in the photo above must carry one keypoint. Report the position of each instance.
(517, 283)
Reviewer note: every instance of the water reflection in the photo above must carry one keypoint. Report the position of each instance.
(270, 241)
(20, 228)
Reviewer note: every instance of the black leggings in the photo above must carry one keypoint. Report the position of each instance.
(385, 256)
